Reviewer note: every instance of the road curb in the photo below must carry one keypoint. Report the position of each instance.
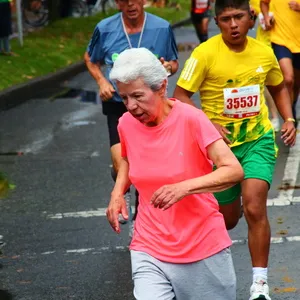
(36, 87)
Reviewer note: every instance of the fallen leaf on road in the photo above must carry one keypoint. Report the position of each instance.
(285, 290)
(287, 279)
(24, 282)
(279, 220)
(72, 261)
(282, 232)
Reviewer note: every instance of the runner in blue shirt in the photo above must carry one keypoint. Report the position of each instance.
(131, 28)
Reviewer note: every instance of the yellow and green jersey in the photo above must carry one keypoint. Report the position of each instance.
(231, 85)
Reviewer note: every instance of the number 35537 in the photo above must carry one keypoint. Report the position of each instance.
(242, 102)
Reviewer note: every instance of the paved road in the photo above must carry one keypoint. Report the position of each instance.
(59, 245)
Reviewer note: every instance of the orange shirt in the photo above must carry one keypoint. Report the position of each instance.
(175, 150)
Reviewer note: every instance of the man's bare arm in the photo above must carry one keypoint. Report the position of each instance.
(265, 7)
(106, 89)
(183, 95)
(282, 100)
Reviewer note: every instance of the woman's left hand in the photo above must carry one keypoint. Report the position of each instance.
(168, 195)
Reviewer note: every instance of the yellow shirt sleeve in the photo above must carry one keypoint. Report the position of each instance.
(194, 71)
(274, 76)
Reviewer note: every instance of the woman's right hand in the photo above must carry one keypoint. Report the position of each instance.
(223, 131)
(106, 90)
(117, 205)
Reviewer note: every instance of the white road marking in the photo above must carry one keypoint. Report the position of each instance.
(48, 252)
(41, 140)
(291, 171)
(285, 197)
(80, 251)
(274, 240)
(100, 212)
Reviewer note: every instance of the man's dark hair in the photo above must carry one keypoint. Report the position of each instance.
(221, 5)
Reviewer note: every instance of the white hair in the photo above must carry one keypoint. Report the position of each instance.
(136, 63)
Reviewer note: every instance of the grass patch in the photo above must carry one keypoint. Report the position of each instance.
(60, 44)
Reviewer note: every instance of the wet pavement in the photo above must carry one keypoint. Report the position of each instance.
(58, 242)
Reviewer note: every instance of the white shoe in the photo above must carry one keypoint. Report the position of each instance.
(276, 124)
(259, 290)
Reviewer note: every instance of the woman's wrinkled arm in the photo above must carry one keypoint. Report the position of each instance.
(228, 173)
(123, 182)
(117, 204)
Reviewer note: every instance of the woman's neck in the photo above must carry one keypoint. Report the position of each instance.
(165, 110)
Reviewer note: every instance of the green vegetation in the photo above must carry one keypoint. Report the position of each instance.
(61, 44)
(5, 186)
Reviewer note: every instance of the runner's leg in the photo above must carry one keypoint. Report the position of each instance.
(258, 161)
(150, 281)
(254, 193)
(230, 205)
(200, 22)
(296, 62)
(231, 213)
(210, 278)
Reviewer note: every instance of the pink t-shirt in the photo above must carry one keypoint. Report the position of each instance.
(175, 150)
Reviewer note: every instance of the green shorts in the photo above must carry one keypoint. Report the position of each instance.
(258, 160)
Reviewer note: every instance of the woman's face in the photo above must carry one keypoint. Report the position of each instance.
(144, 104)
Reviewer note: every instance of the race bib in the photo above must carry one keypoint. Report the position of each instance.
(200, 4)
(241, 102)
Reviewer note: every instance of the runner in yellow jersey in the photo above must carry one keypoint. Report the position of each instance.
(230, 70)
(285, 38)
(264, 36)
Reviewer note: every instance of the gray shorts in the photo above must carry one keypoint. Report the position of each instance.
(210, 278)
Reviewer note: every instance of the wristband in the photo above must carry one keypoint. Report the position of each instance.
(290, 120)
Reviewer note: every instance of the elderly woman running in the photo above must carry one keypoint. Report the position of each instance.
(180, 247)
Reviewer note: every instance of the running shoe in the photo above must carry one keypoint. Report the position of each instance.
(131, 229)
(2, 244)
(276, 124)
(259, 289)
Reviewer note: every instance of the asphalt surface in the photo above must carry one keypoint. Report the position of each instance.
(65, 168)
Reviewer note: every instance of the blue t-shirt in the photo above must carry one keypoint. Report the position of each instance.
(109, 40)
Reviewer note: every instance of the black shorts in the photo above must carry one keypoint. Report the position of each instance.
(284, 52)
(197, 18)
(113, 111)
